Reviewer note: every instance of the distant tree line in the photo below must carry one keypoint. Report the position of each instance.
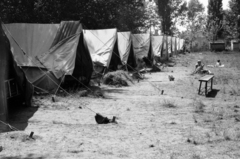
(232, 18)
(122, 14)
(131, 15)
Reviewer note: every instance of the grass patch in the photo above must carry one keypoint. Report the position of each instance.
(199, 106)
(229, 59)
(195, 156)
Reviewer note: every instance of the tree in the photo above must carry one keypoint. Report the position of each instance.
(232, 18)
(215, 18)
(131, 15)
(94, 14)
(195, 20)
(230, 27)
(152, 20)
(169, 11)
(194, 9)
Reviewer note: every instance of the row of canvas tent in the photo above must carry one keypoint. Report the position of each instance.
(43, 55)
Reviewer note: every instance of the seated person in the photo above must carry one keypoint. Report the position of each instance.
(219, 64)
(199, 68)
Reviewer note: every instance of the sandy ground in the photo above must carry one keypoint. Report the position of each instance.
(178, 124)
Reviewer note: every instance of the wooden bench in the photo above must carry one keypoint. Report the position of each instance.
(205, 79)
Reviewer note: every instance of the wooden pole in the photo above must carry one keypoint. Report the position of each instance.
(4, 70)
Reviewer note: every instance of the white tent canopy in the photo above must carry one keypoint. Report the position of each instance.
(169, 41)
(124, 45)
(100, 44)
(173, 45)
(181, 43)
(141, 45)
(157, 44)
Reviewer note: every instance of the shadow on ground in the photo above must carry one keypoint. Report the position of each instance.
(108, 91)
(213, 93)
(30, 156)
(20, 114)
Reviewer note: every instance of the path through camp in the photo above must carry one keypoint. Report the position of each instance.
(178, 124)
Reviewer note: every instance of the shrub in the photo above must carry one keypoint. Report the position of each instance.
(117, 78)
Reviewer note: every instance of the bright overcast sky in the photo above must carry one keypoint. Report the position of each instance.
(205, 3)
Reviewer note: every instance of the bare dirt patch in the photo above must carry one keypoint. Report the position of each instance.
(157, 118)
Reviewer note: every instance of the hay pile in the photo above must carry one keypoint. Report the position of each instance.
(118, 78)
(155, 69)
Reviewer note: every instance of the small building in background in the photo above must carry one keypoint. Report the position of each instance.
(217, 46)
(235, 45)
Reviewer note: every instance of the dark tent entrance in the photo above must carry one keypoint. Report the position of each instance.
(131, 61)
(142, 48)
(115, 60)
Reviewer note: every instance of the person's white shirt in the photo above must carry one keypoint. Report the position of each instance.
(218, 64)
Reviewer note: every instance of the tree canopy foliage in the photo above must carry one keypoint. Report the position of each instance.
(152, 21)
(194, 9)
(215, 17)
(169, 11)
(232, 19)
(195, 20)
(123, 14)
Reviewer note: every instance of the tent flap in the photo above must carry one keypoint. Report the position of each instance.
(60, 59)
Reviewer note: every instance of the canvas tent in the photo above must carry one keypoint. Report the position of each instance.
(125, 49)
(101, 45)
(181, 43)
(67, 54)
(27, 41)
(174, 45)
(164, 54)
(141, 46)
(10, 77)
(178, 44)
(4, 75)
(156, 45)
(47, 52)
(169, 43)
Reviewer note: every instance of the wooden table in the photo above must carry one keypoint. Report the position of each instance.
(205, 79)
